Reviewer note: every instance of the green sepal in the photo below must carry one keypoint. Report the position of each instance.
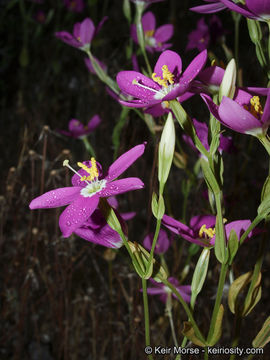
(127, 10)
(109, 214)
(156, 271)
(189, 332)
(217, 328)
(254, 30)
(158, 206)
(238, 287)
(263, 336)
(200, 273)
(233, 245)
(209, 177)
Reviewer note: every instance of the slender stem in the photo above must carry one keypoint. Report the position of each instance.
(269, 44)
(146, 316)
(169, 313)
(254, 223)
(220, 248)
(265, 141)
(186, 308)
(158, 224)
(221, 282)
(238, 322)
(88, 146)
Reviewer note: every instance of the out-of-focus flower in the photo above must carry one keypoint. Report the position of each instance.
(163, 242)
(167, 83)
(74, 5)
(90, 67)
(83, 34)
(201, 229)
(200, 37)
(40, 16)
(164, 291)
(252, 9)
(204, 34)
(155, 39)
(145, 3)
(225, 143)
(244, 113)
(89, 185)
(79, 130)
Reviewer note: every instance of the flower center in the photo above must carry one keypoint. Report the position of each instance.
(166, 75)
(207, 232)
(92, 171)
(94, 185)
(149, 33)
(255, 107)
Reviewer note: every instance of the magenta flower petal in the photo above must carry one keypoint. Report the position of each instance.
(198, 221)
(259, 7)
(237, 118)
(87, 30)
(97, 231)
(67, 38)
(121, 186)
(172, 60)
(55, 198)
(76, 128)
(125, 80)
(239, 8)
(266, 112)
(195, 67)
(213, 108)
(209, 8)
(148, 21)
(212, 75)
(156, 110)
(162, 244)
(94, 123)
(164, 33)
(77, 213)
(124, 161)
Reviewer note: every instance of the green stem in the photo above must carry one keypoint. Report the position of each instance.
(158, 224)
(146, 316)
(238, 322)
(88, 146)
(187, 125)
(221, 282)
(265, 141)
(254, 223)
(186, 308)
(220, 247)
(169, 313)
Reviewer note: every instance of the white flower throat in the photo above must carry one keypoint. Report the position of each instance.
(94, 185)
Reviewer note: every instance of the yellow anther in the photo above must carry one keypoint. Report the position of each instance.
(255, 102)
(92, 171)
(209, 232)
(166, 104)
(149, 33)
(213, 62)
(167, 75)
(202, 40)
(134, 82)
(161, 82)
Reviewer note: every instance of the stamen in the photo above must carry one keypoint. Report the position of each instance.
(161, 82)
(149, 33)
(167, 75)
(210, 232)
(135, 82)
(255, 107)
(92, 171)
(66, 163)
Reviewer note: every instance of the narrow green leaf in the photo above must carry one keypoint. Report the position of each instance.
(189, 332)
(263, 336)
(218, 327)
(233, 244)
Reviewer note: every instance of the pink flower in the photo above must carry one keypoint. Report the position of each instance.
(155, 39)
(89, 185)
(74, 5)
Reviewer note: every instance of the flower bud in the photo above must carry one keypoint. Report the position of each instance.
(227, 86)
(166, 150)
